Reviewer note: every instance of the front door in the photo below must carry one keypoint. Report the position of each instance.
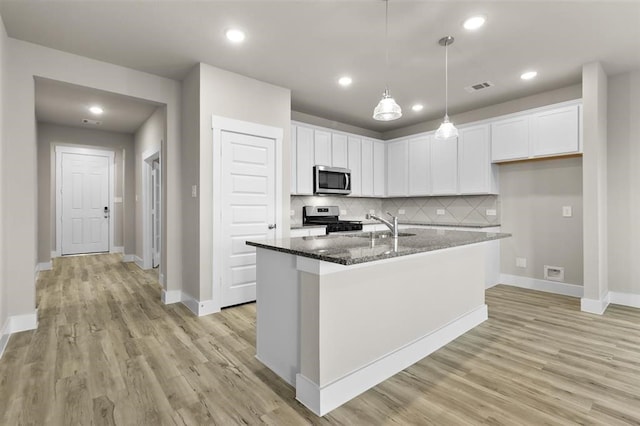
(85, 203)
(248, 210)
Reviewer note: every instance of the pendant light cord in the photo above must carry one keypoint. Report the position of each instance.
(446, 79)
(386, 45)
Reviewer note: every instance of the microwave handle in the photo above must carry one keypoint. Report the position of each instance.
(346, 181)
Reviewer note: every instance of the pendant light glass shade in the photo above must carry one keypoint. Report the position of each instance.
(387, 108)
(446, 130)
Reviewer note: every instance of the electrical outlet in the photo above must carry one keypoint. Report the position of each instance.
(401, 211)
(567, 211)
(372, 211)
(521, 262)
(343, 212)
(440, 212)
(194, 191)
(491, 212)
(292, 212)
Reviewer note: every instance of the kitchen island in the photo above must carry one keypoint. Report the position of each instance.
(338, 314)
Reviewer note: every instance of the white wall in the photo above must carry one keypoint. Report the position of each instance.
(532, 195)
(19, 201)
(230, 95)
(148, 139)
(3, 72)
(623, 159)
(121, 144)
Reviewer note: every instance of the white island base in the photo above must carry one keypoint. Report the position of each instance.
(334, 331)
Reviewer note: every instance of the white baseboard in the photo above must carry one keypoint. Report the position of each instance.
(54, 254)
(625, 299)
(595, 306)
(128, 258)
(171, 296)
(44, 266)
(199, 307)
(139, 262)
(16, 324)
(542, 285)
(331, 396)
(161, 279)
(117, 249)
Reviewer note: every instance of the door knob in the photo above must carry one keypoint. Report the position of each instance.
(271, 226)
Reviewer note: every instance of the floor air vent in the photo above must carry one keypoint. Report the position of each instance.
(479, 86)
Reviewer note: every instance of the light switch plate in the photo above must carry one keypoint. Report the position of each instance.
(521, 262)
(292, 212)
(372, 211)
(194, 191)
(491, 212)
(440, 212)
(567, 211)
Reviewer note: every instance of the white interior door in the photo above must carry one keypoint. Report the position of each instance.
(155, 213)
(248, 210)
(85, 203)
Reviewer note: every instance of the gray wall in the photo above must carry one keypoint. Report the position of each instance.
(532, 195)
(148, 139)
(229, 95)
(624, 183)
(121, 144)
(3, 66)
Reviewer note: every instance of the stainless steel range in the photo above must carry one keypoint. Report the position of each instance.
(329, 216)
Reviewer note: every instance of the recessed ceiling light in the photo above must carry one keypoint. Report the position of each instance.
(345, 81)
(235, 35)
(417, 107)
(96, 110)
(528, 75)
(474, 22)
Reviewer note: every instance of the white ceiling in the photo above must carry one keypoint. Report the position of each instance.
(67, 104)
(307, 45)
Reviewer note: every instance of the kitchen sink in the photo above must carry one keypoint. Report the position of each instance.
(380, 234)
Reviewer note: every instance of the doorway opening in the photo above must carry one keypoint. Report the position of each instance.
(152, 209)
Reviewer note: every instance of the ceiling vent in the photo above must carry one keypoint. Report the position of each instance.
(479, 86)
(91, 122)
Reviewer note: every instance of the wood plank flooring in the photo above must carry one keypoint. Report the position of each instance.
(107, 352)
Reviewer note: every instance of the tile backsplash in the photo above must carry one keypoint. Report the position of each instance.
(457, 210)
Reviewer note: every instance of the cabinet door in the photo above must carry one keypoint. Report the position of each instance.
(419, 182)
(322, 148)
(294, 160)
(397, 162)
(444, 166)
(355, 165)
(304, 163)
(555, 131)
(510, 139)
(475, 173)
(379, 175)
(367, 168)
(339, 150)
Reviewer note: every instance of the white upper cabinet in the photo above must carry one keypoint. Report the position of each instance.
(476, 174)
(354, 163)
(397, 160)
(322, 148)
(545, 132)
(379, 175)
(339, 150)
(367, 167)
(419, 176)
(444, 166)
(294, 160)
(555, 131)
(304, 156)
(510, 139)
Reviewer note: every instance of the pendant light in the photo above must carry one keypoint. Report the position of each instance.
(387, 109)
(446, 130)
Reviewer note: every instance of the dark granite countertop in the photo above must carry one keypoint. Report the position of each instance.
(360, 247)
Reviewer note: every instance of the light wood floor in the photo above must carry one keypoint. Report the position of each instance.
(108, 352)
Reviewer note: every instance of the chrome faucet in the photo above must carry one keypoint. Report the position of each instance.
(393, 226)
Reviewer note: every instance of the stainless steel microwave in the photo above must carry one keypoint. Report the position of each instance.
(331, 180)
